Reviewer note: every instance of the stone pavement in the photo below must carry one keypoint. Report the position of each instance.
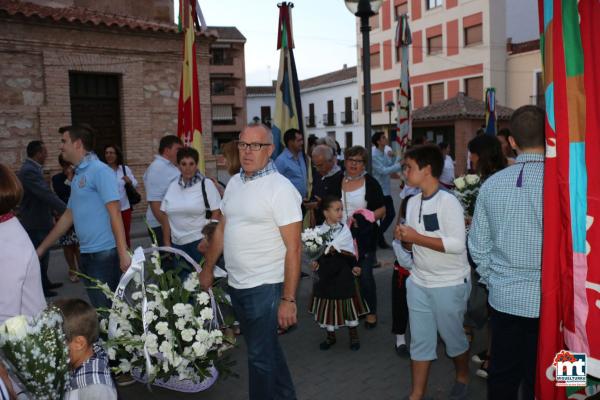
(373, 372)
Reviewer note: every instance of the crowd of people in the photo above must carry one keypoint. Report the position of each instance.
(251, 227)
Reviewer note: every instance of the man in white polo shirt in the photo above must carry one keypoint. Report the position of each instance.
(157, 179)
(260, 235)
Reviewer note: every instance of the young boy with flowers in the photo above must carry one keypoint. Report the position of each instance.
(438, 287)
(90, 377)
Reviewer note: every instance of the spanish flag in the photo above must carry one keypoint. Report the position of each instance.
(189, 125)
(288, 109)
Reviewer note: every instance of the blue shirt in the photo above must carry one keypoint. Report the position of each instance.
(294, 169)
(93, 185)
(383, 166)
(505, 239)
(157, 179)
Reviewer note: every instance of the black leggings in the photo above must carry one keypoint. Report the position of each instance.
(399, 305)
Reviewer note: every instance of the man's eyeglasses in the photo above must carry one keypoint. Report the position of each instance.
(355, 160)
(252, 146)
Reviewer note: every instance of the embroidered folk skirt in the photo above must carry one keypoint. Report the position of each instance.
(336, 313)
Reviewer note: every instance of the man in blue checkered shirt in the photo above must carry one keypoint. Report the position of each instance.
(505, 242)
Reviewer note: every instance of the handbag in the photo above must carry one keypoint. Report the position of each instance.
(207, 212)
(132, 194)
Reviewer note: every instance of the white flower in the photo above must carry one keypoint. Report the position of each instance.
(206, 313)
(199, 349)
(136, 296)
(162, 328)
(460, 182)
(112, 354)
(191, 283)
(472, 179)
(203, 298)
(201, 335)
(125, 365)
(152, 343)
(188, 334)
(16, 327)
(158, 271)
(179, 309)
(180, 324)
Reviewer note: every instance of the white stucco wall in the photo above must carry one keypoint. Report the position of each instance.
(255, 102)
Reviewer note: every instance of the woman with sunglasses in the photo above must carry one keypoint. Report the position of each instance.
(363, 202)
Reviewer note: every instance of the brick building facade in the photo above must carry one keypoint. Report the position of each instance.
(58, 63)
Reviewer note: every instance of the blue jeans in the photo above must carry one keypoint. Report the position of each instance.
(268, 373)
(103, 266)
(191, 249)
(37, 236)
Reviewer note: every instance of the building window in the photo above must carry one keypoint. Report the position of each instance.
(400, 9)
(222, 87)
(329, 118)
(310, 120)
(434, 45)
(221, 57)
(376, 104)
(431, 4)
(265, 115)
(538, 98)
(436, 92)
(375, 63)
(473, 35)
(348, 140)
(474, 88)
(374, 21)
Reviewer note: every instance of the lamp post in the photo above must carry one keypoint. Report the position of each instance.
(390, 106)
(364, 9)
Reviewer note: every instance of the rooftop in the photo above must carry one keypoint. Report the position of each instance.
(228, 33)
(83, 16)
(459, 107)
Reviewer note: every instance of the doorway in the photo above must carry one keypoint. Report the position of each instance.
(95, 101)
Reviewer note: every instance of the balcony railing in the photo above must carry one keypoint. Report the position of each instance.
(221, 61)
(539, 100)
(310, 121)
(329, 119)
(223, 91)
(348, 117)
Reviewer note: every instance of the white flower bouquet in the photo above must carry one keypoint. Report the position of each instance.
(466, 190)
(314, 241)
(165, 331)
(35, 351)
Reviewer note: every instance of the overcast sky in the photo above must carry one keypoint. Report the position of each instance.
(324, 35)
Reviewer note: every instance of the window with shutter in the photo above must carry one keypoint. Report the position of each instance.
(474, 87)
(473, 35)
(434, 45)
(375, 63)
(376, 104)
(436, 92)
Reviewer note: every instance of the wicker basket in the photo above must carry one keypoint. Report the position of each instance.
(183, 385)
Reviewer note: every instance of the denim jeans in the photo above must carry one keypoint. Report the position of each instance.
(191, 249)
(256, 310)
(103, 266)
(390, 213)
(37, 236)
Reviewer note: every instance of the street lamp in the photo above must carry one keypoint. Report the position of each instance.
(364, 9)
(390, 106)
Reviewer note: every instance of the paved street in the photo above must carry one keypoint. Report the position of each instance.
(373, 372)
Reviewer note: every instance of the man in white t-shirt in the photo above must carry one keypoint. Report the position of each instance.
(438, 287)
(447, 177)
(157, 178)
(260, 235)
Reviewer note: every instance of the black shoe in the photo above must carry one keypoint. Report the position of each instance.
(55, 285)
(354, 345)
(326, 345)
(402, 351)
(50, 293)
(383, 245)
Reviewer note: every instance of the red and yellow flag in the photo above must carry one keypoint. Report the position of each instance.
(189, 125)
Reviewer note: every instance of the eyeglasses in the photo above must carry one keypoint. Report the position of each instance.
(355, 160)
(252, 146)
